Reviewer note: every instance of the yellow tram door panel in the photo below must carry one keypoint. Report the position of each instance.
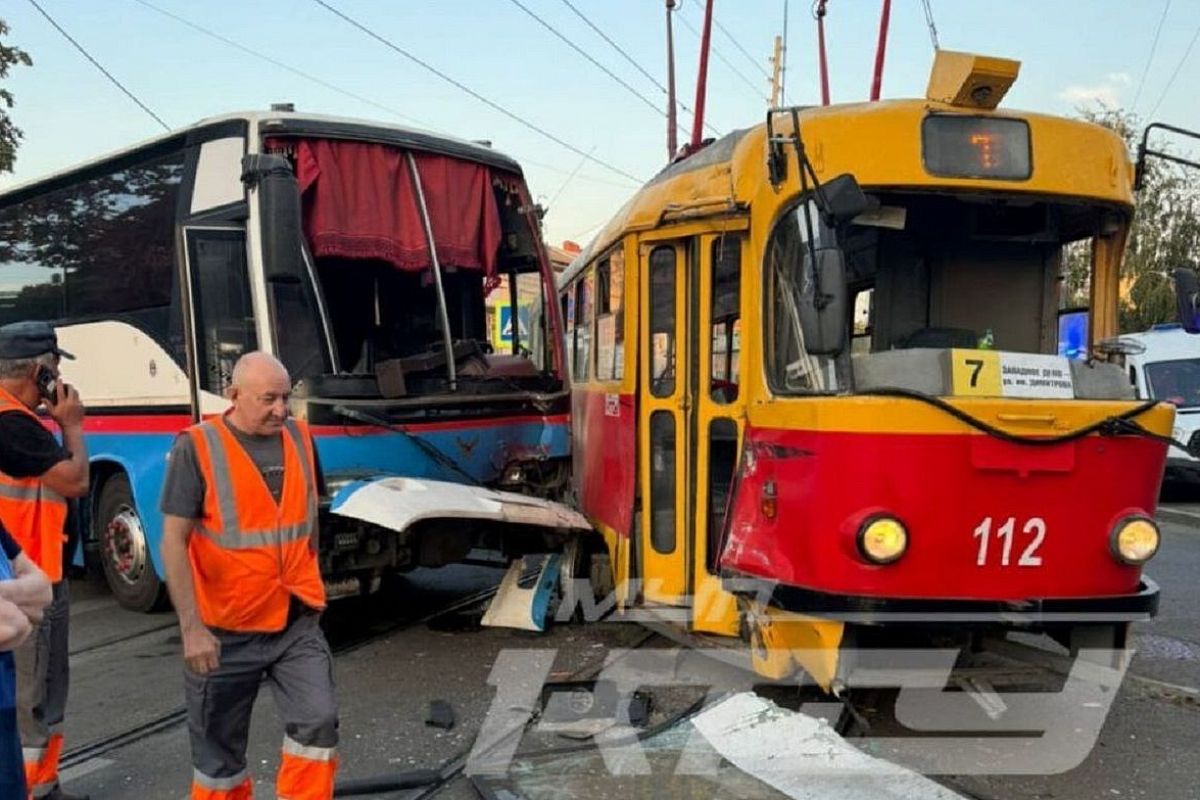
(662, 422)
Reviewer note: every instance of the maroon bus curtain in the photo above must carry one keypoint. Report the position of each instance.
(359, 202)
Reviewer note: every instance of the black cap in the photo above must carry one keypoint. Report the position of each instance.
(29, 340)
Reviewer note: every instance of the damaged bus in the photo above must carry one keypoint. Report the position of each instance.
(361, 255)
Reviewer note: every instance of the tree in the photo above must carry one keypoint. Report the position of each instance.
(10, 134)
(1165, 234)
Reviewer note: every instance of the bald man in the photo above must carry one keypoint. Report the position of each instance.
(240, 551)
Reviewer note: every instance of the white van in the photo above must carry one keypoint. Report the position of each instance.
(1169, 370)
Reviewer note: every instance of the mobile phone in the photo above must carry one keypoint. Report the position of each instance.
(47, 383)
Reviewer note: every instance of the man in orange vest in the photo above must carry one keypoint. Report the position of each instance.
(37, 475)
(240, 550)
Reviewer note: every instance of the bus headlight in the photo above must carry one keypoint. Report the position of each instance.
(1135, 540)
(882, 540)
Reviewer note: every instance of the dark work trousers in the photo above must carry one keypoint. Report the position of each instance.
(42, 678)
(298, 665)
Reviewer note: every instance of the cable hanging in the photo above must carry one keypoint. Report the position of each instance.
(737, 44)
(933, 36)
(1175, 74)
(1150, 59)
(98, 66)
(464, 88)
(726, 61)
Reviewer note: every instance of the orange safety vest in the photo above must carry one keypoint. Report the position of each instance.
(249, 554)
(35, 516)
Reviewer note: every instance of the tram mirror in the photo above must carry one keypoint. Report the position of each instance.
(279, 212)
(823, 310)
(844, 198)
(1187, 299)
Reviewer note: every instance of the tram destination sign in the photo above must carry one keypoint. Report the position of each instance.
(988, 373)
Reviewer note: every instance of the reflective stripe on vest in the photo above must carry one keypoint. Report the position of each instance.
(250, 552)
(34, 515)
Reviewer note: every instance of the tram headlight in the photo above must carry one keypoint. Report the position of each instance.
(882, 540)
(1135, 540)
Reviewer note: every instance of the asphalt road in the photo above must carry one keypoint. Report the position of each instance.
(127, 672)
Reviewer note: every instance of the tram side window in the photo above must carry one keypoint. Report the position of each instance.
(583, 327)
(610, 318)
(725, 335)
(568, 315)
(224, 311)
(98, 249)
(662, 482)
(662, 321)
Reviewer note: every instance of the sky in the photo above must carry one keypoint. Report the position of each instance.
(1074, 53)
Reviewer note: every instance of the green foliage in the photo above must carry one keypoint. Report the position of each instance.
(1165, 234)
(10, 134)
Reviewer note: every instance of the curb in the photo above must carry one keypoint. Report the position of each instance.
(1178, 516)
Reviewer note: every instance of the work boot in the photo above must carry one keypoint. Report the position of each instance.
(57, 793)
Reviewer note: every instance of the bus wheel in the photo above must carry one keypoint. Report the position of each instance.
(124, 550)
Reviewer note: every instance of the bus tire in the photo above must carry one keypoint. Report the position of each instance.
(124, 550)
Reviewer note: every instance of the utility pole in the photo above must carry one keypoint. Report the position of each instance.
(777, 72)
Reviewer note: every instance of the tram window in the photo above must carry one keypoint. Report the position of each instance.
(583, 327)
(568, 315)
(662, 482)
(722, 459)
(725, 333)
(224, 311)
(662, 321)
(610, 318)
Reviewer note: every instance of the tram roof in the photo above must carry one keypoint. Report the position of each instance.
(293, 123)
(880, 144)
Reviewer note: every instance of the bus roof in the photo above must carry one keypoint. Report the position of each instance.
(291, 123)
(880, 144)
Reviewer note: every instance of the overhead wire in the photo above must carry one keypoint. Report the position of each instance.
(286, 67)
(737, 44)
(726, 61)
(933, 35)
(468, 90)
(585, 54)
(1150, 58)
(624, 54)
(83, 51)
(347, 92)
(1175, 74)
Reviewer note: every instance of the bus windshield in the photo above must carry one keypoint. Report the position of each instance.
(926, 271)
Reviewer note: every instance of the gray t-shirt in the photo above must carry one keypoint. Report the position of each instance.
(184, 486)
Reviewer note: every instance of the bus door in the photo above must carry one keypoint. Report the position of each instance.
(716, 421)
(663, 530)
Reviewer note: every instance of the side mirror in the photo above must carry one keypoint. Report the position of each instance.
(843, 198)
(823, 310)
(1187, 299)
(279, 210)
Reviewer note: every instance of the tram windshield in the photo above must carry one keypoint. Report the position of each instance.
(926, 271)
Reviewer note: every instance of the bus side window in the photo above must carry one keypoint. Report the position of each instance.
(725, 335)
(221, 296)
(662, 321)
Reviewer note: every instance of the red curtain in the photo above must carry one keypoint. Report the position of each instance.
(359, 202)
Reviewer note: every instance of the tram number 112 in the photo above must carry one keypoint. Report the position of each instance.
(1034, 530)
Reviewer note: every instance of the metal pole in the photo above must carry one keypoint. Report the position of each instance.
(881, 49)
(776, 61)
(702, 78)
(672, 140)
(821, 48)
(437, 271)
(783, 67)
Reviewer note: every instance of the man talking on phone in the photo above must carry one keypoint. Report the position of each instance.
(37, 476)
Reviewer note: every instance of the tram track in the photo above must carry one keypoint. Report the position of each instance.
(168, 720)
(125, 638)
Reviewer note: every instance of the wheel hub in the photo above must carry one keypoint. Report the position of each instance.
(124, 546)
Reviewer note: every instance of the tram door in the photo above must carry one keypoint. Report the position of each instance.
(688, 419)
(662, 420)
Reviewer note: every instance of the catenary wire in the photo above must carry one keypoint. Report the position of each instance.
(725, 61)
(736, 43)
(933, 36)
(1175, 74)
(1150, 58)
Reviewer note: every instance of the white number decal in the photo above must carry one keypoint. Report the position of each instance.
(1030, 558)
(1036, 527)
